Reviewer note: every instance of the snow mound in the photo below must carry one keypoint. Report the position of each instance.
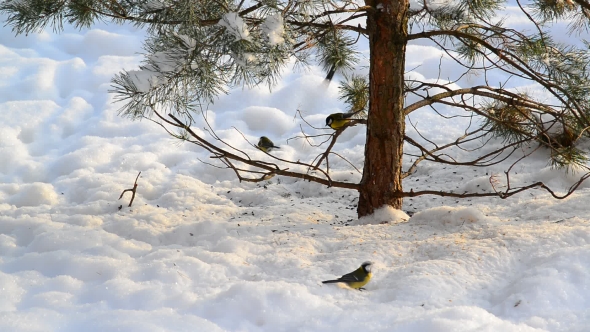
(383, 215)
(276, 122)
(34, 194)
(446, 216)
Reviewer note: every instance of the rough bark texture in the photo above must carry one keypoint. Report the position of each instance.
(387, 27)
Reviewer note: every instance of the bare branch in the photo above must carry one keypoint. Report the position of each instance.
(270, 168)
(132, 190)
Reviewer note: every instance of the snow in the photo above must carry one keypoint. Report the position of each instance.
(154, 5)
(235, 26)
(385, 214)
(274, 29)
(200, 251)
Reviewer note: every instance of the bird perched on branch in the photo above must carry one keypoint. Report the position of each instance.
(355, 279)
(339, 120)
(266, 145)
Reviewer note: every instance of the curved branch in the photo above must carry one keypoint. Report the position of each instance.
(498, 94)
(509, 58)
(272, 169)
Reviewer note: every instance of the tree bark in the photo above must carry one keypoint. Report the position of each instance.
(387, 28)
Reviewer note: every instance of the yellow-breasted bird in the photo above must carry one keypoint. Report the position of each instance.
(357, 278)
(339, 120)
(266, 145)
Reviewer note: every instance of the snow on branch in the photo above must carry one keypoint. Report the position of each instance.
(273, 27)
(235, 25)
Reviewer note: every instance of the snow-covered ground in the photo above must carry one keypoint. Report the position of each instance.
(199, 251)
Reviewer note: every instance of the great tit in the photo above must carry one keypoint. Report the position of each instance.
(266, 145)
(357, 278)
(339, 120)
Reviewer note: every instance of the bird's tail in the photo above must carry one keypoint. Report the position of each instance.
(331, 73)
(350, 115)
(330, 281)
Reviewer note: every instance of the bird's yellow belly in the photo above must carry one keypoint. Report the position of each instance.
(359, 284)
(337, 124)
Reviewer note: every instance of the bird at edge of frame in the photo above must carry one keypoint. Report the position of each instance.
(339, 120)
(355, 279)
(266, 145)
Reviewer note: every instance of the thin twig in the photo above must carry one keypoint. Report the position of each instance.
(132, 190)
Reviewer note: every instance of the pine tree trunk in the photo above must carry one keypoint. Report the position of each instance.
(382, 171)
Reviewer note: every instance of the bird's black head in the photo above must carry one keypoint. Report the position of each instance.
(329, 120)
(367, 266)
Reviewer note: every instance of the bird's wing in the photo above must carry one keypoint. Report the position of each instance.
(350, 277)
(350, 115)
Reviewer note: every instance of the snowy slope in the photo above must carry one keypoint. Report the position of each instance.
(199, 251)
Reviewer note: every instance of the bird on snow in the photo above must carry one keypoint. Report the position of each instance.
(355, 279)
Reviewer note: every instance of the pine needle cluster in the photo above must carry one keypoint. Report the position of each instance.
(354, 91)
